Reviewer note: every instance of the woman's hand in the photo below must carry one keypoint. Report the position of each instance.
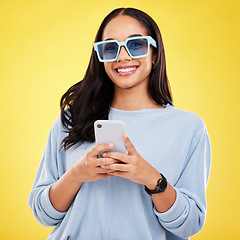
(87, 168)
(135, 167)
(91, 168)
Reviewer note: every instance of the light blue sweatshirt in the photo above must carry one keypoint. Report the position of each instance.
(173, 141)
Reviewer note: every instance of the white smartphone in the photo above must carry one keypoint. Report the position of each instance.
(110, 131)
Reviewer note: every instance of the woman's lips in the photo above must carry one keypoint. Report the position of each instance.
(125, 70)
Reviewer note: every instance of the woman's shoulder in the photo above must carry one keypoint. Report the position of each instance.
(188, 119)
(188, 115)
(58, 125)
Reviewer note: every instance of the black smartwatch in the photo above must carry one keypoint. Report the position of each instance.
(161, 186)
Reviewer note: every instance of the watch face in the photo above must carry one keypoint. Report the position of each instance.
(162, 184)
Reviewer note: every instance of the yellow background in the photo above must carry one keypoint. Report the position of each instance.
(44, 49)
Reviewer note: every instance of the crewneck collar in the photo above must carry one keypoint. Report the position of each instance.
(141, 112)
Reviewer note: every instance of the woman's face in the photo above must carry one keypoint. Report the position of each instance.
(126, 72)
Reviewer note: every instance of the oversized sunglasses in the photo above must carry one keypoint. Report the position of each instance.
(137, 47)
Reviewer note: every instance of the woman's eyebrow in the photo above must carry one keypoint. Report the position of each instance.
(133, 35)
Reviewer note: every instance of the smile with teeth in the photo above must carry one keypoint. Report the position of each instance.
(127, 70)
(122, 70)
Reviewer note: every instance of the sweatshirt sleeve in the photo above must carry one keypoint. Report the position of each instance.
(187, 216)
(47, 174)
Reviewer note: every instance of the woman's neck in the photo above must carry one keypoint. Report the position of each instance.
(132, 100)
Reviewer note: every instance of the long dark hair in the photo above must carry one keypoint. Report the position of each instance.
(90, 99)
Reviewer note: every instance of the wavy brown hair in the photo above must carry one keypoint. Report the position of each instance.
(90, 99)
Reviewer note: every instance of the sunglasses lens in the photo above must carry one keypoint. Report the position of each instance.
(137, 47)
(108, 51)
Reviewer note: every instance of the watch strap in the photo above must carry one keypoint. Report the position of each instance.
(157, 190)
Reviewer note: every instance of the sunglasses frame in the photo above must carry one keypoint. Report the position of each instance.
(150, 41)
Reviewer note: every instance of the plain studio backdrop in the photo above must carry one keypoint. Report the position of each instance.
(45, 47)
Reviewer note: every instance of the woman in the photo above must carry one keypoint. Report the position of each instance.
(160, 190)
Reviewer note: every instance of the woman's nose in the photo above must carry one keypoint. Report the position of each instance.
(123, 55)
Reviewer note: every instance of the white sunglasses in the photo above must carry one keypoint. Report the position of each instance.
(137, 47)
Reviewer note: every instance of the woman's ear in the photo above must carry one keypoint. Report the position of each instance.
(154, 59)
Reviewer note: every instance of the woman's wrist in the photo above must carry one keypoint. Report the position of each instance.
(75, 175)
(152, 181)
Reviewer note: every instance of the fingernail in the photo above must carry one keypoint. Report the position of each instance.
(103, 166)
(110, 144)
(104, 154)
(125, 135)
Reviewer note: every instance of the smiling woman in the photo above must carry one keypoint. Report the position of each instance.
(159, 192)
(129, 72)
